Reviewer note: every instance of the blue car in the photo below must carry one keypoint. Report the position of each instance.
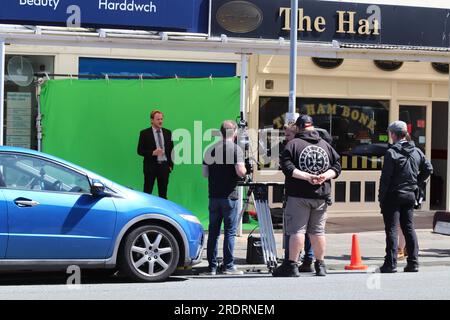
(54, 214)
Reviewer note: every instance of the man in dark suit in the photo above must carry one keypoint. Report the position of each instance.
(156, 145)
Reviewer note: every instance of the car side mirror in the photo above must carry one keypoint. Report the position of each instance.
(97, 188)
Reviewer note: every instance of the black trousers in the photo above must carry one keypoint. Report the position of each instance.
(399, 208)
(160, 173)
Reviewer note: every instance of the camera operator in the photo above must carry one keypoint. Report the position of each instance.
(309, 163)
(223, 165)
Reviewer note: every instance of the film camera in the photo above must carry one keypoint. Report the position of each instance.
(243, 140)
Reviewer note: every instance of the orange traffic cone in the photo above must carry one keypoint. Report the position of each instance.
(355, 263)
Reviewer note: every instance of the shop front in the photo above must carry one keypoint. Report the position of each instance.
(21, 103)
(355, 102)
(355, 75)
(353, 99)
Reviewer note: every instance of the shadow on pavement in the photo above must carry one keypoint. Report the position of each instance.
(244, 276)
(347, 258)
(435, 253)
(60, 278)
(336, 224)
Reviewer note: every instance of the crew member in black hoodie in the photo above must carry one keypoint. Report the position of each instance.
(405, 170)
(309, 163)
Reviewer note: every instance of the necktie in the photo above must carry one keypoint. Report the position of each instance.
(159, 139)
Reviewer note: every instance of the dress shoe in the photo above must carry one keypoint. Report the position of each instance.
(411, 268)
(387, 269)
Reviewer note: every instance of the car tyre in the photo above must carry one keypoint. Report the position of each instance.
(150, 254)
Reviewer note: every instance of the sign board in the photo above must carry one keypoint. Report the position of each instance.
(325, 21)
(442, 228)
(130, 14)
(18, 119)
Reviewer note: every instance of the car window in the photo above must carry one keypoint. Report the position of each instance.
(29, 173)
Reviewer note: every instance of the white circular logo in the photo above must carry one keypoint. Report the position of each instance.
(314, 160)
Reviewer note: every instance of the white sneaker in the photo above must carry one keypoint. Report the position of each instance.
(233, 272)
(210, 273)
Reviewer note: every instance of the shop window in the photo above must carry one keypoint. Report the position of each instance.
(20, 98)
(415, 118)
(278, 194)
(441, 67)
(327, 63)
(358, 129)
(340, 191)
(355, 191)
(388, 65)
(370, 192)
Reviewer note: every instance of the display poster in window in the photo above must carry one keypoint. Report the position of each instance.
(18, 119)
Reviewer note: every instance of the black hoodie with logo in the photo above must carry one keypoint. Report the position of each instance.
(405, 168)
(309, 153)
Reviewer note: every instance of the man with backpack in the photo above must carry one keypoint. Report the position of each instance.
(405, 171)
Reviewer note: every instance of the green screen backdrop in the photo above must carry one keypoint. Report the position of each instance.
(96, 124)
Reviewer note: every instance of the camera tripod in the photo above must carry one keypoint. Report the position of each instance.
(258, 192)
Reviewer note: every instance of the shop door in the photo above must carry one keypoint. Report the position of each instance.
(415, 117)
(418, 118)
(438, 183)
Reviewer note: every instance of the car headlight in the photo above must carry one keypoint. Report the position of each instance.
(190, 218)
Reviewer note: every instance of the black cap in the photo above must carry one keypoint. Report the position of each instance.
(304, 121)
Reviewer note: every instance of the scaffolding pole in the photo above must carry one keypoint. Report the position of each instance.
(243, 110)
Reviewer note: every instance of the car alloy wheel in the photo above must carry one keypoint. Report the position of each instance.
(151, 253)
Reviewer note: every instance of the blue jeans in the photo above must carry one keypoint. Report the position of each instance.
(309, 253)
(222, 210)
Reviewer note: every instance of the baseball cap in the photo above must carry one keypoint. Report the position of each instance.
(304, 121)
(398, 126)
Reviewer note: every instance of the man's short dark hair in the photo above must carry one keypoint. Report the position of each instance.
(228, 128)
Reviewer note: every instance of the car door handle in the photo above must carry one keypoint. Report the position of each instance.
(22, 203)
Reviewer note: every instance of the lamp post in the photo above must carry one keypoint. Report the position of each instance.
(291, 116)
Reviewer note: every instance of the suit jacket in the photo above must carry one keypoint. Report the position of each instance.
(147, 145)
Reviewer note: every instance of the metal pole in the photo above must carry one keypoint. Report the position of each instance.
(240, 206)
(291, 115)
(244, 72)
(2, 89)
(39, 116)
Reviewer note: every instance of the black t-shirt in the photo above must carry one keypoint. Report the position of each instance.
(221, 159)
